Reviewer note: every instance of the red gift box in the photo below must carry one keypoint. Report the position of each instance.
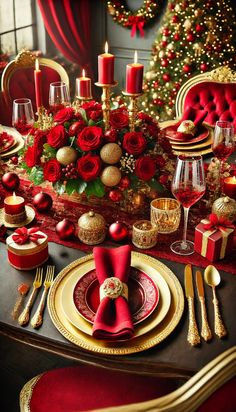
(214, 238)
(27, 248)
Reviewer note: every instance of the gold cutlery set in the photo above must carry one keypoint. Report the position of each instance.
(212, 278)
(37, 319)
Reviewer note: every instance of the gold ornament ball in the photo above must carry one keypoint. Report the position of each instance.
(110, 176)
(66, 155)
(111, 153)
(161, 54)
(225, 207)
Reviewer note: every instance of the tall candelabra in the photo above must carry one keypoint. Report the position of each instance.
(106, 101)
(132, 108)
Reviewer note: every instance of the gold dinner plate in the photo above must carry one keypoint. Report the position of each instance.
(136, 344)
(188, 146)
(19, 142)
(194, 152)
(69, 309)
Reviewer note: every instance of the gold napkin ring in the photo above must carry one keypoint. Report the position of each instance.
(112, 288)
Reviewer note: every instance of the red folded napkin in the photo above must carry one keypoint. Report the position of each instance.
(196, 116)
(113, 319)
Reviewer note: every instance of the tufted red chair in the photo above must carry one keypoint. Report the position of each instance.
(213, 91)
(87, 388)
(18, 78)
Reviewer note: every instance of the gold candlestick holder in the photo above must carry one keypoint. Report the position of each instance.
(45, 121)
(79, 101)
(106, 101)
(132, 108)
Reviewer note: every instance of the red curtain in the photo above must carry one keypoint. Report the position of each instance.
(68, 24)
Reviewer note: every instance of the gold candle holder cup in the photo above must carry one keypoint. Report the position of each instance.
(144, 234)
(165, 214)
(132, 108)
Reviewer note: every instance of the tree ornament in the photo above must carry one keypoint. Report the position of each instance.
(65, 229)
(166, 77)
(164, 62)
(124, 183)
(111, 135)
(198, 12)
(187, 24)
(155, 84)
(190, 37)
(171, 54)
(175, 19)
(14, 160)
(76, 127)
(42, 202)
(161, 54)
(164, 43)
(10, 181)
(176, 37)
(66, 155)
(115, 195)
(166, 32)
(204, 67)
(118, 231)
(225, 207)
(111, 153)
(199, 28)
(110, 176)
(170, 46)
(187, 68)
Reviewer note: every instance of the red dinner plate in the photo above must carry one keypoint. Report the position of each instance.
(171, 133)
(143, 295)
(6, 142)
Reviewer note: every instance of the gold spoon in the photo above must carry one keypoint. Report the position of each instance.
(212, 278)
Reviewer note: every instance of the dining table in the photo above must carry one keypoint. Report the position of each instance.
(173, 357)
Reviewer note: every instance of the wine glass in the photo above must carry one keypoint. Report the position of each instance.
(188, 186)
(223, 144)
(58, 96)
(22, 115)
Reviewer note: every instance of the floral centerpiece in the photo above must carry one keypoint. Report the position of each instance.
(77, 155)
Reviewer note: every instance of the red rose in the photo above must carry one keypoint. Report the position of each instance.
(64, 115)
(119, 119)
(52, 170)
(93, 110)
(145, 117)
(57, 137)
(89, 167)
(34, 153)
(163, 179)
(145, 168)
(96, 115)
(90, 138)
(134, 143)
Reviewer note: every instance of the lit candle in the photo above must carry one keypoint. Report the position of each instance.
(38, 84)
(83, 86)
(106, 67)
(134, 76)
(230, 187)
(14, 205)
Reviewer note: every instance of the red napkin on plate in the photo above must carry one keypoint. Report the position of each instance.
(196, 116)
(113, 319)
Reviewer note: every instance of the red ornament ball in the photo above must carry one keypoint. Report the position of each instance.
(14, 160)
(76, 127)
(204, 67)
(42, 202)
(166, 77)
(171, 55)
(187, 68)
(175, 19)
(115, 195)
(164, 62)
(166, 32)
(118, 231)
(176, 37)
(199, 28)
(164, 43)
(65, 229)
(190, 37)
(124, 183)
(158, 102)
(10, 181)
(111, 136)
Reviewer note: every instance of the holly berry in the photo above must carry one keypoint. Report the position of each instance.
(70, 171)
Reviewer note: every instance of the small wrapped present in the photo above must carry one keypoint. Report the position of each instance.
(214, 237)
(27, 248)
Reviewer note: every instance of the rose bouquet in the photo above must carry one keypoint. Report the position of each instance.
(77, 155)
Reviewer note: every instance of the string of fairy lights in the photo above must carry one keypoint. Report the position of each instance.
(193, 39)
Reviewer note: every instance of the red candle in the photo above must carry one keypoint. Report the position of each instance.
(14, 205)
(83, 86)
(38, 84)
(230, 187)
(106, 67)
(134, 76)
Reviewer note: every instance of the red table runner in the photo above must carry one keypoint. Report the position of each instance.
(64, 207)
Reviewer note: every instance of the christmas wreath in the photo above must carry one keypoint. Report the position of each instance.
(77, 155)
(133, 20)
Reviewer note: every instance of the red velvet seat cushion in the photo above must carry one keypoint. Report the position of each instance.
(85, 388)
(218, 99)
(223, 400)
(22, 83)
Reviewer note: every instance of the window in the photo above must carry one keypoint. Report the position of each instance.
(17, 25)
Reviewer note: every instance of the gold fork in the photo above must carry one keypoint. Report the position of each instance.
(25, 315)
(37, 319)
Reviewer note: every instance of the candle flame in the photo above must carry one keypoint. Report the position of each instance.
(135, 56)
(83, 73)
(106, 47)
(36, 64)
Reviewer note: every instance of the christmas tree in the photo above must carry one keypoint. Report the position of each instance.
(195, 37)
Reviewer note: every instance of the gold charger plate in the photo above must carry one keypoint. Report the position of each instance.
(69, 309)
(188, 146)
(138, 344)
(19, 142)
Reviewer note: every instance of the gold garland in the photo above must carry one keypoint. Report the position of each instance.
(133, 20)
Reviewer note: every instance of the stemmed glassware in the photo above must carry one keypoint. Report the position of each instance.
(22, 116)
(223, 144)
(188, 186)
(59, 96)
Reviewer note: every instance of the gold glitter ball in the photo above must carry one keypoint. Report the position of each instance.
(92, 228)
(225, 207)
(110, 176)
(111, 153)
(66, 155)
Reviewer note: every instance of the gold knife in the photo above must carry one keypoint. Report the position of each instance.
(206, 331)
(193, 335)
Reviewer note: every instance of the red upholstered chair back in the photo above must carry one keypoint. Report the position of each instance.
(212, 91)
(18, 78)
